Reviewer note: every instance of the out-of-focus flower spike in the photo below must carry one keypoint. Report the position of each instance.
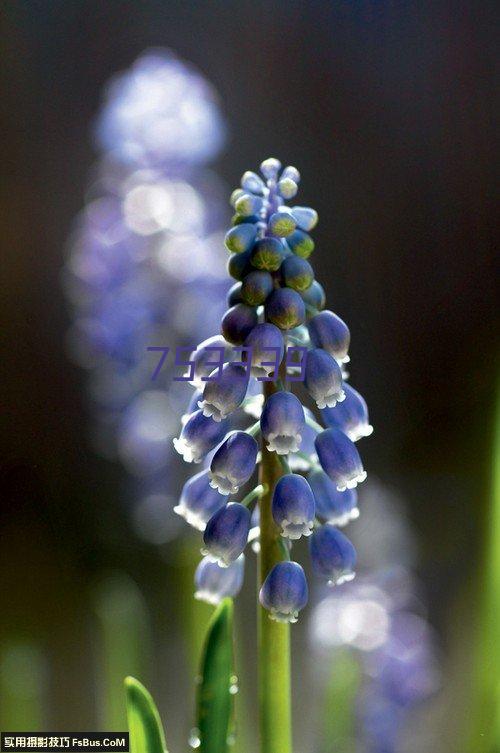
(240, 238)
(198, 436)
(225, 393)
(282, 422)
(340, 459)
(351, 416)
(305, 217)
(199, 501)
(226, 534)
(335, 507)
(233, 463)
(328, 331)
(332, 554)
(214, 583)
(284, 592)
(323, 378)
(293, 506)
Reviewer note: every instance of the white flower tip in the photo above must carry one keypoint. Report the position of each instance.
(208, 597)
(342, 578)
(184, 448)
(352, 482)
(291, 617)
(192, 518)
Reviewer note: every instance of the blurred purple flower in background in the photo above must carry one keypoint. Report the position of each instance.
(381, 617)
(152, 207)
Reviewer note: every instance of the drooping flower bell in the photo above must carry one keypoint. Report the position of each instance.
(226, 533)
(233, 463)
(328, 331)
(332, 554)
(351, 416)
(266, 348)
(199, 501)
(340, 459)
(213, 582)
(282, 421)
(332, 506)
(323, 378)
(198, 436)
(293, 506)
(209, 354)
(225, 393)
(284, 592)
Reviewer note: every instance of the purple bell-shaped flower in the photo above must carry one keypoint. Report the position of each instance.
(332, 554)
(233, 463)
(282, 422)
(340, 459)
(284, 592)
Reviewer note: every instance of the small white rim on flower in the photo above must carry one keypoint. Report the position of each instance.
(330, 400)
(352, 482)
(208, 596)
(279, 616)
(294, 529)
(190, 453)
(212, 410)
(341, 578)
(193, 518)
(283, 444)
(217, 558)
(358, 432)
(223, 484)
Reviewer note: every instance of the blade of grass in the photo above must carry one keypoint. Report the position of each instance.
(124, 643)
(485, 706)
(144, 723)
(214, 698)
(338, 724)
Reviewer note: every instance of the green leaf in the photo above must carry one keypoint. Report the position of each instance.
(339, 725)
(214, 699)
(144, 723)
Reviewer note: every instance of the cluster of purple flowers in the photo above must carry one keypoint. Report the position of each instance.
(274, 303)
(151, 203)
(381, 617)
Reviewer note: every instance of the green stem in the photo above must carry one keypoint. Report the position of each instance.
(254, 429)
(257, 492)
(314, 424)
(274, 637)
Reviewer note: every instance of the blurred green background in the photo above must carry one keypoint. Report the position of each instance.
(386, 108)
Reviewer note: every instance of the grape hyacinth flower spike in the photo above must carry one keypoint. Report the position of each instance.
(307, 473)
